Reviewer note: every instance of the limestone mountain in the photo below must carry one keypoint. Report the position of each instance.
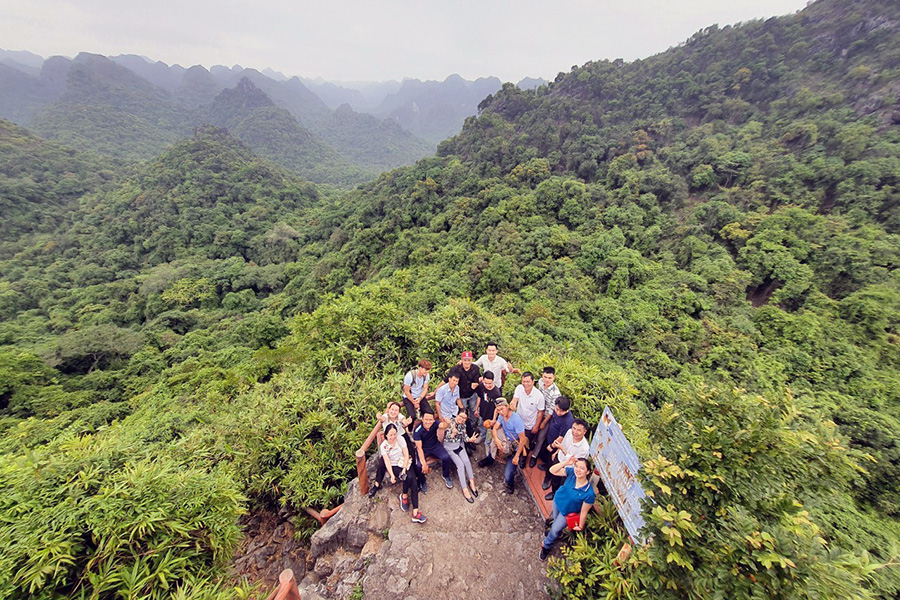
(436, 110)
(251, 116)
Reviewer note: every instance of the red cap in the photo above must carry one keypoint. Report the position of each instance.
(466, 354)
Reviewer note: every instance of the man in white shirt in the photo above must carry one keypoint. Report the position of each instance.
(497, 365)
(574, 444)
(528, 403)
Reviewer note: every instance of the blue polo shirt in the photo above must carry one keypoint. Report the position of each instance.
(447, 399)
(513, 427)
(568, 498)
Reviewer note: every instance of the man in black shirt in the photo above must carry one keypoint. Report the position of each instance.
(468, 374)
(487, 392)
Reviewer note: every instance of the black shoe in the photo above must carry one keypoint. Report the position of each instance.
(532, 461)
(546, 484)
(373, 490)
(550, 495)
(543, 467)
(548, 522)
(510, 489)
(469, 499)
(522, 462)
(545, 552)
(486, 461)
(474, 491)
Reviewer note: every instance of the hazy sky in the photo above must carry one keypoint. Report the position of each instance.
(372, 40)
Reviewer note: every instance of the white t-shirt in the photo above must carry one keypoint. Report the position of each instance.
(570, 448)
(528, 404)
(497, 366)
(395, 453)
(398, 423)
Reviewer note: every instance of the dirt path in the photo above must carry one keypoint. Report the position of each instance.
(488, 549)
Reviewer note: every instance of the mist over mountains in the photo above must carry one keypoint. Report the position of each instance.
(133, 108)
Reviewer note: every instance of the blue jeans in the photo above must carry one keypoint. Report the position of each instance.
(469, 405)
(559, 524)
(509, 475)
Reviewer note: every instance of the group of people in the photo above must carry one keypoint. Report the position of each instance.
(534, 429)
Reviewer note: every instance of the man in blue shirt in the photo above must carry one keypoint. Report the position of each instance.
(447, 401)
(509, 436)
(575, 496)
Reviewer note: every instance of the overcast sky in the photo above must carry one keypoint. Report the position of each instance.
(372, 40)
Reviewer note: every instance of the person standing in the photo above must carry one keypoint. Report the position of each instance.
(499, 366)
(446, 399)
(560, 423)
(509, 436)
(547, 386)
(487, 392)
(575, 496)
(528, 403)
(469, 376)
(415, 389)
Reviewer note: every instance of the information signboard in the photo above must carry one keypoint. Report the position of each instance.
(618, 465)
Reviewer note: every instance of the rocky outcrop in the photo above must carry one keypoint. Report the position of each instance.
(488, 549)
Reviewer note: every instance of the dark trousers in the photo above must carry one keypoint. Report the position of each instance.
(411, 411)
(438, 451)
(410, 487)
(532, 439)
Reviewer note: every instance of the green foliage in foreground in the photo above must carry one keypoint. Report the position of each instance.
(211, 335)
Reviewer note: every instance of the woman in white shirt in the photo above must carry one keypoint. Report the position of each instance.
(397, 461)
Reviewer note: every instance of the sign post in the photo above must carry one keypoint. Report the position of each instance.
(618, 465)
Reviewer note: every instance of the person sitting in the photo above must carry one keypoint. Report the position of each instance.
(488, 392)
(573, 445)
(528, 403)
(415, 389)
(428, 442)
(397, 462)
(509, 436)
(454, 441)
(575, 496)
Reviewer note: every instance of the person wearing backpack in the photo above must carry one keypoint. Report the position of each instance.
(415, 390)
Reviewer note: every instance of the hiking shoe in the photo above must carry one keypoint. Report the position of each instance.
(486, 461)
(404, 503)
(545, 552)
(419, 517)
(448, 482)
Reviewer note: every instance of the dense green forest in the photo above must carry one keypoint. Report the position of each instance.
(705, 240)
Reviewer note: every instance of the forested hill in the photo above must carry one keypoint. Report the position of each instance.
(706, 240)
(132, 109)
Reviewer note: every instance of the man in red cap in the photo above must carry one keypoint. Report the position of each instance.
(469, 376)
